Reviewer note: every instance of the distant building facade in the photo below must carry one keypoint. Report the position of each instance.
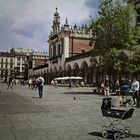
(37, 58)
(11, 64)
(17, 62)
(7, 63)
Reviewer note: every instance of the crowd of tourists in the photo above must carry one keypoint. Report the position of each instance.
(123, 88)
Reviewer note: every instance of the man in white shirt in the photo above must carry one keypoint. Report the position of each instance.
(135, 89)
(40, 83)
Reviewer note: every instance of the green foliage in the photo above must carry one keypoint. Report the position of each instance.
(113, 28)
(136, 49)
(112, 32)
(137, 32)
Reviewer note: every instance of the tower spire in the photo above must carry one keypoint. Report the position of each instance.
(66, 25)
(56, 22)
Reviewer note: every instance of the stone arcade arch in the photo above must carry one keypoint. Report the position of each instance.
(85, 72)
(45, 76)
(51, 70)
(50, 76)
(96, 68)
(60, 71)
(69, 70)
(76, 70)
(55, 72)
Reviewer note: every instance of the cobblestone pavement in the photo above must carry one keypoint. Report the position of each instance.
(59, 115)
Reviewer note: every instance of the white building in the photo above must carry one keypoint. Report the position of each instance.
(7, 63)
(17, 62)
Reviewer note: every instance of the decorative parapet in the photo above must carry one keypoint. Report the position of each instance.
(80, 56)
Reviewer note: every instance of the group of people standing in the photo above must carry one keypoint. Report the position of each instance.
(33, 83)
(37, 83)
(134, 89)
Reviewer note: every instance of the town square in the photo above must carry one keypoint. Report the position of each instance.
(69, 70)
(57, 116)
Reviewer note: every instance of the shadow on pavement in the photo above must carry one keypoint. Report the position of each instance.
(135, 136)
(36, 97)
(11, 103)
(82, 92)
(95, 133)
(99, 134)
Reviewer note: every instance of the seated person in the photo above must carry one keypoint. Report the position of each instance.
(116, 100)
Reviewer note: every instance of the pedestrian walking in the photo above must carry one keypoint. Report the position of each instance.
(70, 84)
(52, 82)
(135, 89)
(40, 84)
(30, 82)
(106, 86)
(55, 83)
(34, 83)
(10, 84)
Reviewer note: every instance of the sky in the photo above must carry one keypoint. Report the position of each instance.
(27, 23)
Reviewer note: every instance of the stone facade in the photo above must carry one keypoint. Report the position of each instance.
(11, 64)
(19, 62)
(65, 44)
(70, 54)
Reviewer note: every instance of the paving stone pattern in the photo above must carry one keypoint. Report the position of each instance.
(60, 115)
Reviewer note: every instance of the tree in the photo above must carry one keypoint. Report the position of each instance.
(113, 31)
(136, 58)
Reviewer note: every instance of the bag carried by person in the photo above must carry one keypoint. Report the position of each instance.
(39, 82)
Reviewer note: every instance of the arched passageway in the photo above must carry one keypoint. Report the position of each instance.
(85, 72)
(76, 70)
(69, 71)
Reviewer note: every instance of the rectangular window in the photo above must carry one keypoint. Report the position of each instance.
(11, 60)
(18, 68)
(59, 51)
(11, 66)
(62, 45)
(23, 68)
(50, 51)
(54, 50)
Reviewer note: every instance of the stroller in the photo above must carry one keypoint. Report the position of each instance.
(115, 115)
(127, 94)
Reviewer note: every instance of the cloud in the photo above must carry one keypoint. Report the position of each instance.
(27, 30)
(93, 7)
(92, 4)
(27, 23)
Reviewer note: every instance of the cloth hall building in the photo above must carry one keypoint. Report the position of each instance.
(69, 53)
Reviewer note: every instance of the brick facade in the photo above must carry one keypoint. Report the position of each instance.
(79, 45)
